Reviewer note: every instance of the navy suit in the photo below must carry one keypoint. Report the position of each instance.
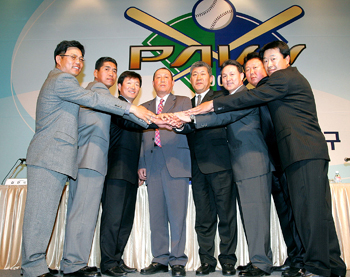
(120, 190)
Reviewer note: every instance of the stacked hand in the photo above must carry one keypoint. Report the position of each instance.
(171, 120)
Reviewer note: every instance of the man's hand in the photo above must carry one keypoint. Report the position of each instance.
(143, 113)
(182, 117)
(142, 174)
(203, 108)
(161, 123)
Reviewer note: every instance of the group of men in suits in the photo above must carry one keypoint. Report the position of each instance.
(77, 139)
(302, 151)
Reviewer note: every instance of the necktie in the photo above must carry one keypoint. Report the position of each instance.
(157, 135)
(199, 99)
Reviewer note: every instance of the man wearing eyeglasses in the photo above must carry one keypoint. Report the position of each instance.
(52, 153)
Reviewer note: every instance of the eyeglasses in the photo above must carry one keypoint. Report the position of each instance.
(74, 57)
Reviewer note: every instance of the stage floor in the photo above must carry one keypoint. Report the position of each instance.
(16, 273)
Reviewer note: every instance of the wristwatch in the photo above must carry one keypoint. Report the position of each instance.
(193, 118)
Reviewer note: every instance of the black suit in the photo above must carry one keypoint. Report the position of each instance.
(120, 190)
(214, 192)
(304, 158)
(280, 192)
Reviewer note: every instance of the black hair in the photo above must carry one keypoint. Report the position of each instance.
(62, 47)
(99, 63)
(281, 45)
(129, 74)
(232, 62)
(171, 74)
(250, 56)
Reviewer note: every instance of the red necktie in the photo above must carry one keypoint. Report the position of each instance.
(157, 136)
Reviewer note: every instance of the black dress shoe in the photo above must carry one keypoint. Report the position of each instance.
(335, 275)
(154, 268)
(178, 270)
(48, 274)
(228, 269)
(127, 269)
(53, 271)
(310, 274)
(244, 267)
(281, 268)
(292, 272)
(84, 272)
(205, 269)
(115, 271)
(253, 271)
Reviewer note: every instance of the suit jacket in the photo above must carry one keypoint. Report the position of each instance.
(175, 146)
(209, 147)
(248, 150)
(293, 112)
(93, 135)
(55, 142)
(124, 149)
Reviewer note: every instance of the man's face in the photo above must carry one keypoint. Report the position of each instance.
(130, 88)
(273, 60)
(231, 78)
(107, 74)
(254, 71)
(200, 79)
(163, 82)
(71, 61)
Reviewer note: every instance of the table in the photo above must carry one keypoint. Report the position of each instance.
(138, 250)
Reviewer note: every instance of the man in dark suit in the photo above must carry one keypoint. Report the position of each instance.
(85, 191)
(214, 192)
(252, 170)
(257, 76)
(52, 153)
(303, 151)
(165, 163)
(121, 183)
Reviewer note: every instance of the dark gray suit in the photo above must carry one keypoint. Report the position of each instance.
(52, 158)
(168, 169)
(304, 157)
(214, 192)
(252, 173)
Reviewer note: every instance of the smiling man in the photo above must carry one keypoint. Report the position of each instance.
(120, 188)
(52, 157)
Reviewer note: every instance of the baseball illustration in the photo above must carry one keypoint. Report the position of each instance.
(213, 14)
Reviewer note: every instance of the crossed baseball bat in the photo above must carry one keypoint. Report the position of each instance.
(161, 28)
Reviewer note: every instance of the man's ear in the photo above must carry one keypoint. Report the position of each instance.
(95, 73)
(58, 60)
(211, 80)
(287, 58)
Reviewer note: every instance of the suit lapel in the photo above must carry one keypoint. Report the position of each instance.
(208, 96)
(169, 104)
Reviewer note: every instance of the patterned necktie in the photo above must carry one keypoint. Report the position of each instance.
(199, 99)
(157, 136)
